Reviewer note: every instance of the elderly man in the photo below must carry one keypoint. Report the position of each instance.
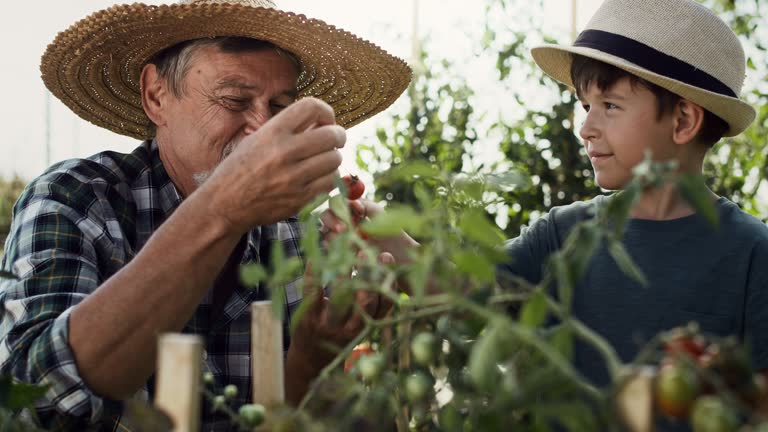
(112, 250)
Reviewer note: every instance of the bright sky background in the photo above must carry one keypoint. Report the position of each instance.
(452, 26)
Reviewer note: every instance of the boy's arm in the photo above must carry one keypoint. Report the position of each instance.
(756, 313)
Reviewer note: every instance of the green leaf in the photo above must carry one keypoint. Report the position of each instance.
(580, 246)
(534, 310)
(310, 241)
(140, 416)
(340, 207)
(484, 358)
(251, 275)
(422, 195)
(277, 296)
(418, 274)
(290, 270)
(474, 264)
(18, 395)
(7, 275)
(565, 281)
(393, 222)
(507, 181)
(306, 212)
(695, 191)
(619, 206)
(562, 340)
(476, 226)
(625, 263)
(408, 170)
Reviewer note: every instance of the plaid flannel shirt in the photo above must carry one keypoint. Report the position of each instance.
(74, 227)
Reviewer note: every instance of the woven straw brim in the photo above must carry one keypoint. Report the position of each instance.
(94, 66)
(555, 61)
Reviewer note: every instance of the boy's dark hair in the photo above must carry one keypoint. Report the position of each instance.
(585, 71)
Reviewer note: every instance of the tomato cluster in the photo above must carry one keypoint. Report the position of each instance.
(708, 382)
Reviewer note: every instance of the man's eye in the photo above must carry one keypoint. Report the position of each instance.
(237, 104)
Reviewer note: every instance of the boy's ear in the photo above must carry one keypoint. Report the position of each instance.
(152, 93)
(688, 121)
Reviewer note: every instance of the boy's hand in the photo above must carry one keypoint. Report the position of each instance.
(397, 246)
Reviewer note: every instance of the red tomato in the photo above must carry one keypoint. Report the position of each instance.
(355, 187)
(683, 344)
(677, 387)
(355, 355)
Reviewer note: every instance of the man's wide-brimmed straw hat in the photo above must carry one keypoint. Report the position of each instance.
(95, 65)
(678, 45)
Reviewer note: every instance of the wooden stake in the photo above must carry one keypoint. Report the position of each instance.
(179, 379)
(266, 355)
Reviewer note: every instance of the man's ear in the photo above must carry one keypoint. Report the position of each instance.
(688, 121)
(153, 94)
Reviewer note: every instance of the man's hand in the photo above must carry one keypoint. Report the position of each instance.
(274, 172)
(319, 329)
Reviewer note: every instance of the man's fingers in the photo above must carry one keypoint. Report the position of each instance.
(317, 166)
(303, 114)
(320, 185)
(318, 140)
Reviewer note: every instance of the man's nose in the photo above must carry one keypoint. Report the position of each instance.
(256, 117)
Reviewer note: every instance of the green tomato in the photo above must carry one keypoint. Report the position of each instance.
(251, 415)
(450, 419)
(219, 402)
(711, 414)
(230, 391)
(423, 347)
(370, 366)
(417, 386)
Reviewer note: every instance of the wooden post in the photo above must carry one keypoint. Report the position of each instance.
(266, 355)
(179, 379)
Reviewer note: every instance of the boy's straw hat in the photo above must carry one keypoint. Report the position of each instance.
(94, 66)
(679, 45)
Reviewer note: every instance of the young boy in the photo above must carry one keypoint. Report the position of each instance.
(664, 76)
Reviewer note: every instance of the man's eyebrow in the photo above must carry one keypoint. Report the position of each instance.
(293, 93)
(236, 83)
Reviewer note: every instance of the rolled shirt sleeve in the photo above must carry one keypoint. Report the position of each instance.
(52, 251)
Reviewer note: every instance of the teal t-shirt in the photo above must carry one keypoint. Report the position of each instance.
(717, 277)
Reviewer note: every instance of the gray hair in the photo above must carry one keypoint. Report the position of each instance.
(173, 63)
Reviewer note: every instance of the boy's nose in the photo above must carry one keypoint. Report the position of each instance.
(588, 130)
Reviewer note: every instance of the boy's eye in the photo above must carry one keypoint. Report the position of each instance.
(586, 107)
(609, 106)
